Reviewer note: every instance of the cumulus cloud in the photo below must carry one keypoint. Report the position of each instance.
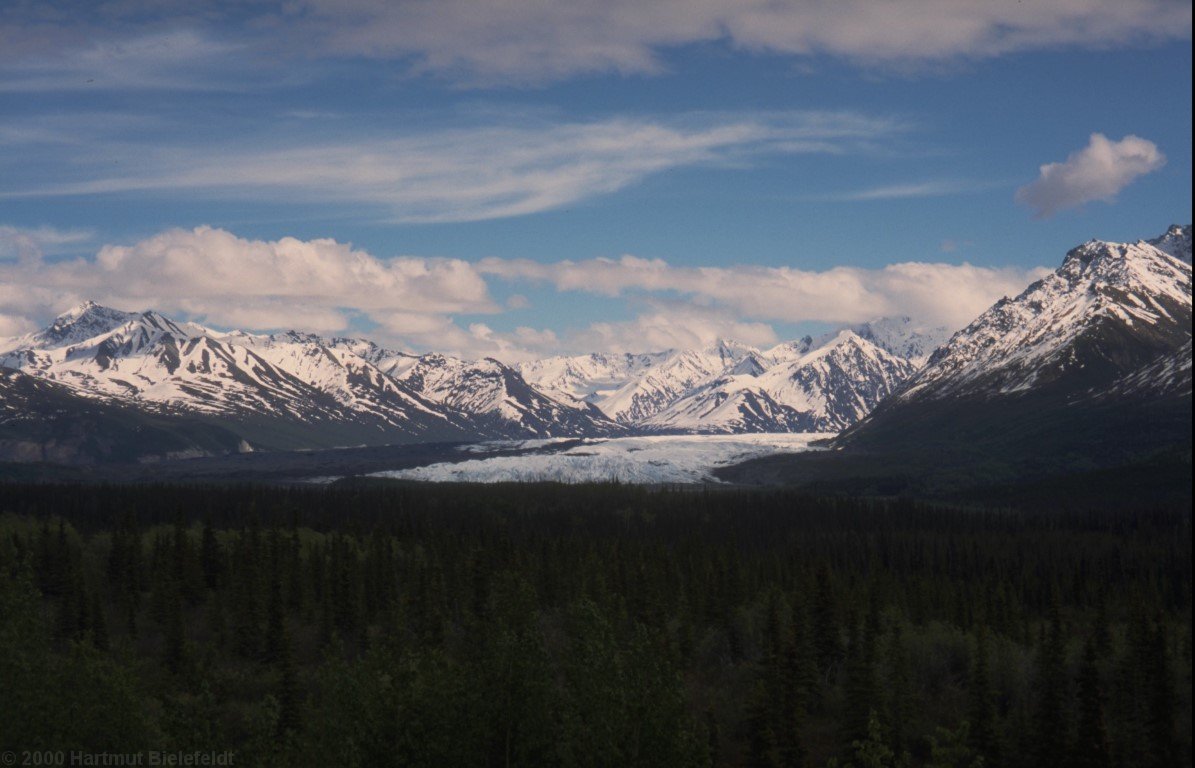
(672, 325)
(217, 277)
(213, 276)
(1097, 172)
(952, 294)
(457, 175)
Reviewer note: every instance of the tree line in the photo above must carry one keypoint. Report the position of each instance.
(590, 625)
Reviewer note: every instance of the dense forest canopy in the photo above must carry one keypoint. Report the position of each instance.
(589, 626)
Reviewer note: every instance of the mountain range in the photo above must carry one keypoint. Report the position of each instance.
(296, 390)
(1109, 332)
(1087, 369)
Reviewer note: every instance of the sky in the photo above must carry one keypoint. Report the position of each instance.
(515, 178)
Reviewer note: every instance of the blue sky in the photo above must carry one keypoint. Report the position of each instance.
(517, 179)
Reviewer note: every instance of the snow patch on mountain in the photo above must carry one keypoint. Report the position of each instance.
(490, 388)
(659, 386)
(1103, 292)
(826, 389)
(586, 378)
(904, 337)
(1176, 241)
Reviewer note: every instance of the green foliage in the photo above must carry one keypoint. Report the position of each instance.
(590, 626)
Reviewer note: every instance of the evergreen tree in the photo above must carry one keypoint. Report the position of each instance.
(860, 685)
(275, 639)
(827, 641)
(211, 556)
(897, 686)
(1160, 725)
(1049, 717)
(1091, 748)
(174, 651)
(983, 736)
(761, 739)
(99, 623)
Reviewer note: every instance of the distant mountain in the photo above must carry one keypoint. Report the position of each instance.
(1176, 241)
(587, 378)
(502, 398)
(42, 421)
(297, 390)
(274, 392)
(655, 388)
(824, 390)
(1091, 364)
(904, 337)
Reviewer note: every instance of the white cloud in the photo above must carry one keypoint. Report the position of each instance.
(215, 277)
(941, 293)
(174, 59)
(15, 325)
(530, 41)
(672, 325)
(183, 44)
(1096, 172)
(34, 242)
(458, 175)
(933, 188)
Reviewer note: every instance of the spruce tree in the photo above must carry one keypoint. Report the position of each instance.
(897, 685)
(99, 623)
(174, 631)
(983, 736)
(1091, 748)
(1049, 717)
(211, 557)
(827, 641)
(1160, 724)
(860, 685)
(275, 622)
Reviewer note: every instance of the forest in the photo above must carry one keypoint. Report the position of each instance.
(600, 625)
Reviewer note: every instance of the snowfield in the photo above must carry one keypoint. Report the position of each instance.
(649, 460)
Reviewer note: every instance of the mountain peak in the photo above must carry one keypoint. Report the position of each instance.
(1070, 325)
(1176, 241)
(81, 322)
(77, 311)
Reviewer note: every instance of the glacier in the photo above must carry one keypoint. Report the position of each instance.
(645, 460)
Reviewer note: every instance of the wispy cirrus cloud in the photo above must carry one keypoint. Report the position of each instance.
(35, 242)
(49, 44)
(464, 174)
(908, 191)
(176, 59)
(1097, 172)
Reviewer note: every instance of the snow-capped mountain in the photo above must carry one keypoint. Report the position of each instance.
(588, 378)
(43, 421)
(824, 390)
(1109, 309)
(904, 337)
(1092, 361)
(497, 392)
(1176, 241)
(288, 391)
(657, 387)
(351, 380)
